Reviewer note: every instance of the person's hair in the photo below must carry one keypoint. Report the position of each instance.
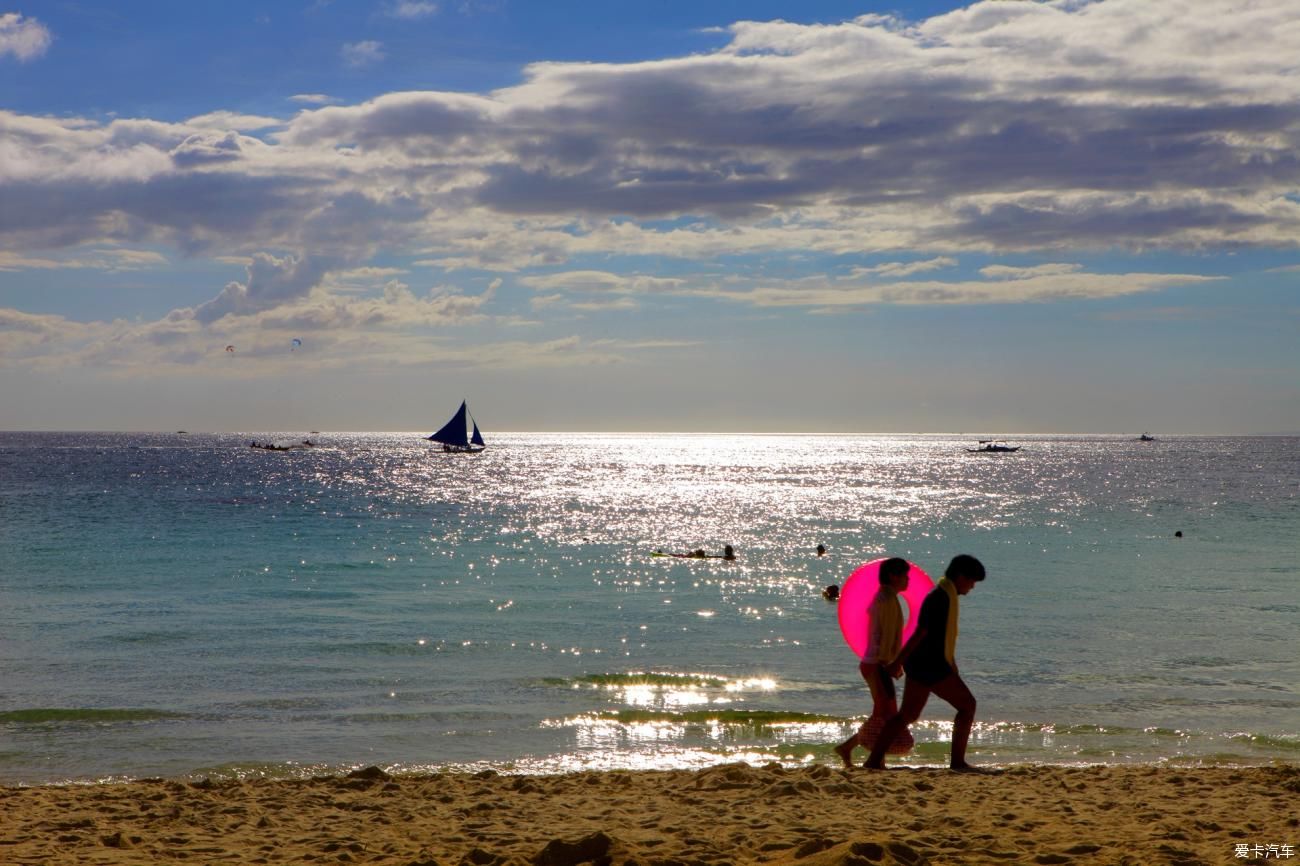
(965, 565)
(893, 567)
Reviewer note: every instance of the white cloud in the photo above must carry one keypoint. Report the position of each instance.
(1038, 288)
(360, 280)
(363, 53)
(99, 259)
(894, 270)
(271, 282)
(224, 121)
(1003, 284)
(411, 9)
(605, 305)
(343, 333)
(1006, 272)
(313, 98)
(602, 282)
(23, 38)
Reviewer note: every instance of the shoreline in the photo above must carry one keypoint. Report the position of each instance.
(730, 813)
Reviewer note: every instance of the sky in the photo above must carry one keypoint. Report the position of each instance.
(773, 216)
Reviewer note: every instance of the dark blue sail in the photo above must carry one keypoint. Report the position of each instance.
(453, 432)
(453, 436)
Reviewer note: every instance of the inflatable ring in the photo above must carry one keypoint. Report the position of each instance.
(855, 599)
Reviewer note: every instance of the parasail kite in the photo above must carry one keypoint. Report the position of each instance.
(296, 343)
(230, 348)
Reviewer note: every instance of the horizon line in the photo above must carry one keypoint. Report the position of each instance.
(961, 433)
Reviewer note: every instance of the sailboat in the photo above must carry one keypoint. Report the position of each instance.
(453, 436)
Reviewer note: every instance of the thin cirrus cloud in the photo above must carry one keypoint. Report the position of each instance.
(362, 53)
(997, 129)
(100, 259)
(411, 9)
(898, 270)
(312, 98)
(1002, 285)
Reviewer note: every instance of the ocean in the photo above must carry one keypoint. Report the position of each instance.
(184, 606)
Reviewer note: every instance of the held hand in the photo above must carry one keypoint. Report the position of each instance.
(894, 669)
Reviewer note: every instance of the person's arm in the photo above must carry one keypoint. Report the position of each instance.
(895, 667)
(925, 620)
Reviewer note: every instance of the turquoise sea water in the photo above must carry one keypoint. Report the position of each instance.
(183, 605)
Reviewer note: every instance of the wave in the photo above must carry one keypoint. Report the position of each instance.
(53, 715)
(730, 718)
(1267, 742)
(149, 637)
(642, 678)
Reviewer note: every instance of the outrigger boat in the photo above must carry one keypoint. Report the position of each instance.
(993, 446)
(281, 446)
(453, 436)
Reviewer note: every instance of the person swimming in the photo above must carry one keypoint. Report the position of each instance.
(728, 553)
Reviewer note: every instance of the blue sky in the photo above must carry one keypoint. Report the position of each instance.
(990, 218)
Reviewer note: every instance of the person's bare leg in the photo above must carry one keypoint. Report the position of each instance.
(953, 690)
(914, 697)
(879, 698)
(845, 751)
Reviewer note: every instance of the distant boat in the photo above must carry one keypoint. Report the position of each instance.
(993, 446)
(282, 446)
(454, 437)
(1146, 437)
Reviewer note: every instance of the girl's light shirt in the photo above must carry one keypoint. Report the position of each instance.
(885, 635)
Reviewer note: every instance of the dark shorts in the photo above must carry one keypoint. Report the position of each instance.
(928, 672)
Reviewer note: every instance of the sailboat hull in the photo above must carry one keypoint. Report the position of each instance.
(462, 449)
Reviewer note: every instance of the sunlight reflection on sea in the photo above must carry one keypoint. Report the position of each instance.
(188, 603)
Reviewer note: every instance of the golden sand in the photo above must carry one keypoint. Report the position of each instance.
(737, 814)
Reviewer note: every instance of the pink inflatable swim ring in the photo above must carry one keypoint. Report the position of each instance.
(858, 591)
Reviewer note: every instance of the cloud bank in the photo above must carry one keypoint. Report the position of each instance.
(996, 129)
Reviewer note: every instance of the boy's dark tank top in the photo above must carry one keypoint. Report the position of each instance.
(927, 663)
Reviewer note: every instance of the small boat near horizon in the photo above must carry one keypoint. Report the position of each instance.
(1146, 437)
(282, 446)
(993, 446)
(454, 435)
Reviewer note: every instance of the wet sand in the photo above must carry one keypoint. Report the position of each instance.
(731, 814)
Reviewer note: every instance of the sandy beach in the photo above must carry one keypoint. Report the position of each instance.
(815, 816)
